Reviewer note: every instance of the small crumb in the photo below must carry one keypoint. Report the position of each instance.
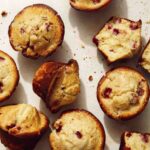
(90, 78)
(4, 13)
(74, 54)
(94, 71)
(82, 46)
(147, 22)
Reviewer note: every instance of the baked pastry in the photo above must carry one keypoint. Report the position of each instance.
(36, 31)
(145, 58)
(89, 5)
(77, 130)
(119, 39)
(123, 93)
(21, 126)
(9, 76)
(57, 83)
(135, 141)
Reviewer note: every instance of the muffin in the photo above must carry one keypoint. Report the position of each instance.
(77, 130)
(123, 93)
(9, 76)
(57, 83)
(135, 141)
(89, 5)
(36, 31)
(145, 58)
(21, 126)
(119, 39)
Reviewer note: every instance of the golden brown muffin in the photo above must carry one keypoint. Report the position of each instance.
(57, 83)
(9, 76)
(119, 39)
(36, 31)
(21, 126)
(145, 59)
(77, 130)
(123, 93)
(135, 141)
(89, 5)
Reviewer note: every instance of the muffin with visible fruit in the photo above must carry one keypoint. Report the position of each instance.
(21, 126)
(89, 5)
(135, 141)
(9, 76)
(123, 93)
(78, 130)
(57, 83)
(36, 31)
(119, 39)
(145, 58)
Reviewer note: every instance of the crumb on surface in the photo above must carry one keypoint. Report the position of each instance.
(4, 13)
(90, 78)
(82, 46)
(148, 22)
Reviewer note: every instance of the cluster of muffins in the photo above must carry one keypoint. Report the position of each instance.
(123, 93)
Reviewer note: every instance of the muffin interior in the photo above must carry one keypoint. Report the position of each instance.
(119, 38)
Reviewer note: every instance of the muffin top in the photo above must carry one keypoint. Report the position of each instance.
(123, 93)
(145, 60)
(88, 4)
(119, 38)
(57, 83)
(135, 141)
(22, 120)
(9, 76)
(36, 31)
(77, 130)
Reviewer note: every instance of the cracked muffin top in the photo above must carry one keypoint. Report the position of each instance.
(145, 59)
(36, 31)
(58, 84)
(22, 120)
(77, 130)
(119, 39)
(135, 141)
(89, 5)
(9, 76)
(123, 93)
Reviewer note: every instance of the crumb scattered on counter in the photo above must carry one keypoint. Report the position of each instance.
(74, 54)
(90, 78)
(148, 22)
(4, 13)
(82, 46)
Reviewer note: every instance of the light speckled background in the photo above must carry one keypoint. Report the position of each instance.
(80, 28)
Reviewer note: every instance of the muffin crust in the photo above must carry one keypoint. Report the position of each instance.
(89, 5)
(36, 31)
(9, 76)
(77, 130)
(123, 93)
(57, 83)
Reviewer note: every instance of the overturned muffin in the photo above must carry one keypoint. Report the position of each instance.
(36, 31)
(57, 83)
(9, 76)
(123, 93)
(145, 59)
(77, 130)
(89, 5)
(119, 39)
(21, 126)
(135, 141)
